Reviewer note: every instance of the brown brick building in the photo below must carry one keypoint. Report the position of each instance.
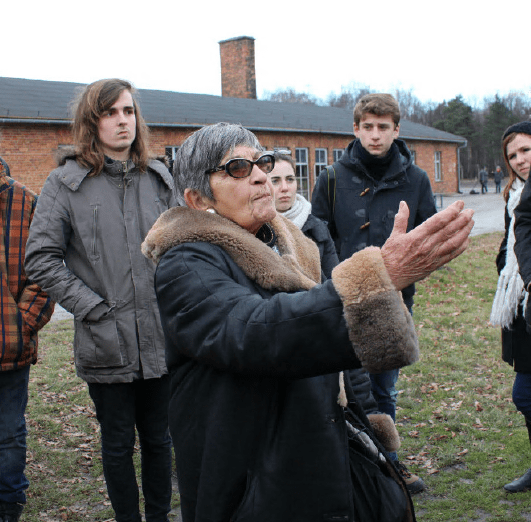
(35, 122)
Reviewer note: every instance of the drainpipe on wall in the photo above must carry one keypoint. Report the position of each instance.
(459, 166)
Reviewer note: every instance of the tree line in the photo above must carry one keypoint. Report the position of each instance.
(482, 125)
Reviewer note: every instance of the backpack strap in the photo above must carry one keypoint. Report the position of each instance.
(331, 194)
(331, 178)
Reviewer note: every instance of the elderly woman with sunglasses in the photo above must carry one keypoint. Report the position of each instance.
(254, 341)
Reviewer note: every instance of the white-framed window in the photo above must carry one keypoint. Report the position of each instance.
(321, 160)
(413, 156)
(437, 165)
(337, 154)
(170, 152)
(301, 172)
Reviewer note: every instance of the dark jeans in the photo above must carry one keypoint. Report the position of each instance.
(13, 401)
(522, 393)
(119, 408)
(383, 387)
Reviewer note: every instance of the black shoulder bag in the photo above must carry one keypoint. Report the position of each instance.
(379, 492)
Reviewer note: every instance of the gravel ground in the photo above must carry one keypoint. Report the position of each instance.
(488, 208)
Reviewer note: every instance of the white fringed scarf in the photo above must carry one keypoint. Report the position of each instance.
(299, 212)
(510, 291)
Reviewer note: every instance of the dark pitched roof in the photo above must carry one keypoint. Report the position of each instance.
(39, 101)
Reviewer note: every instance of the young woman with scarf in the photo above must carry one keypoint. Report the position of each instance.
(297, 209)
(510, 301)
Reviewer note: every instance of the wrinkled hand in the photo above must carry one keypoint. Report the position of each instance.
(413, 256)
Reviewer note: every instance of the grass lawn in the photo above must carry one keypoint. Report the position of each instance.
(64, 460)
(460, 430)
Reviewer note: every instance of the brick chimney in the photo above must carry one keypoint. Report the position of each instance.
(238, 76)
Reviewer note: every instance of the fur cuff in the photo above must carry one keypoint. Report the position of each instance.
(385, 430)
(380, 326)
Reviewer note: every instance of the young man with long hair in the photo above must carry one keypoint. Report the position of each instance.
(84, 248)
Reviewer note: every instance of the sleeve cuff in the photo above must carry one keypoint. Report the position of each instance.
(380, 326)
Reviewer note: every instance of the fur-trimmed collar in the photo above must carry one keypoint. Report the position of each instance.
(298, 267)
(380, 327)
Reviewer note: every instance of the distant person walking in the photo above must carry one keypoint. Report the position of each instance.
(498, 176)
(484, 179)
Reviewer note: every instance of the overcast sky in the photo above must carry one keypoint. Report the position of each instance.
(438, 49)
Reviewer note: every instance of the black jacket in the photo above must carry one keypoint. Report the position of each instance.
(253, 349)
(522, 234)
(359, 379)
(360, 211)
(515, 340)
(317, 231)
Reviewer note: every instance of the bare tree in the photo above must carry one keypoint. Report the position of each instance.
(290, 95)
(349, 95)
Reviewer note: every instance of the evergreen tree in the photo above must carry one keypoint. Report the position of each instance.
(497, 118)
(457, 117)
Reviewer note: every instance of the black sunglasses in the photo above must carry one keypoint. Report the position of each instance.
(241, 168)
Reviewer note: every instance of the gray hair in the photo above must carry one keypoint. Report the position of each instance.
(204, 150)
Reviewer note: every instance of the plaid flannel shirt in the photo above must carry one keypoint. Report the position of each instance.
(24, 307)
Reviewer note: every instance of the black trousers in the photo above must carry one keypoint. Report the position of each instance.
(120, 408)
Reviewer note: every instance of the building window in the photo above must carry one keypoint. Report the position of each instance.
(170, 152)
(437, 164)
(413, 156)
(321, 160)
(301, 172)
(337, 154)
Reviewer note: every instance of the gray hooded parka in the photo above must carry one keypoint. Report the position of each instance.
(84, 250)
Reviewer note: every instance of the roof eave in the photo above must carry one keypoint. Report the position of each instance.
(252, 128)
(443, 140)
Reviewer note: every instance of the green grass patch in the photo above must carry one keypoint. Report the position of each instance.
(461, 432)
(64, 453)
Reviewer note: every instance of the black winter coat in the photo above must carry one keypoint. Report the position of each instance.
(516, 341)
(253, 348)
(359, 379)
(364, 209)
(317, 231)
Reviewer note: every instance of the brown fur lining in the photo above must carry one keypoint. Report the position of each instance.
(298, 268)
(385, 430)
(381, 329)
